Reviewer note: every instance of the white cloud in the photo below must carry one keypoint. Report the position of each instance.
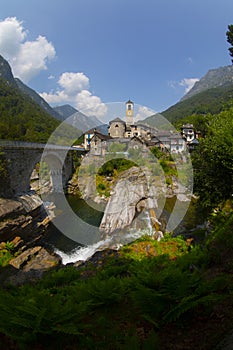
(188, 83)
(56, 98)
(143, 112)
(73, 89)
(172, 84)
(27, 58)
(73, 83)
(90, 104)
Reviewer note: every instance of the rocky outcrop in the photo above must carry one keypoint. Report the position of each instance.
(29, 266)
(36, 258)
(23, 223)
(6, 72)
(22, 216)
(133, 192)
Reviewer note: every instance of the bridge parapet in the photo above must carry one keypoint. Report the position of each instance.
(21, 157)
(38, 145)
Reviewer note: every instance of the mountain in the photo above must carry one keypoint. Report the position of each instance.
(65, 111)
(6, 72)
(83, 122)
(37, 98)
(76, 118)
(214, 78)
(21, 118)
(212, 94)
(211, 101)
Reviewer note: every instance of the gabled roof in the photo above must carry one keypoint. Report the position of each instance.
(162, 133)
(176, 136)
(137, 139)
(117, 120)
(189, 126)
(129, 102)
(101, 136)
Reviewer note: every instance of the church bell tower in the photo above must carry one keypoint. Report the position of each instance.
(129, 113)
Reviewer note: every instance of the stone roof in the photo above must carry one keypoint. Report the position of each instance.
(117, 120)
(175, 136)
(101, 136)
(189, 126)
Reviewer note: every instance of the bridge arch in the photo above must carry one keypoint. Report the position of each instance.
(20, 160)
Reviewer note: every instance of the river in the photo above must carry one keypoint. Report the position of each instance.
(71, 250)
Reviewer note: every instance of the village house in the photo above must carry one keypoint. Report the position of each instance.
(122, 131)
(190, 136)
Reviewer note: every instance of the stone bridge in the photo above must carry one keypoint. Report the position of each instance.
(18, 159)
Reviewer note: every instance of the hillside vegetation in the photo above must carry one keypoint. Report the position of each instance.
(210, 101)
(21, 118)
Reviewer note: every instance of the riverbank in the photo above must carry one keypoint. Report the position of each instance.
(147, 295)
(24, 254)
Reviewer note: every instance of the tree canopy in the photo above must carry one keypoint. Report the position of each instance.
(229, 34)
(213, 163)
(21, 118)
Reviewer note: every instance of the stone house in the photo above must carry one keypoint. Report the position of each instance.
(99, 144)
(190, 136)
(121, 131)
(177, 143)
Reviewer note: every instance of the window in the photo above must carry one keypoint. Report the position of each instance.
(129, 107)
(116, 126)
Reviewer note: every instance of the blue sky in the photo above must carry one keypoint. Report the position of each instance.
(92, 52)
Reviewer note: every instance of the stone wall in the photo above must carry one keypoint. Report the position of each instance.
(117, 129)
(20, 163)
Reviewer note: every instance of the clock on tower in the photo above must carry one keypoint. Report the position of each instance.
(129, 112)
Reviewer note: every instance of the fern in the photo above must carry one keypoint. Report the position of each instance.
(189, 304)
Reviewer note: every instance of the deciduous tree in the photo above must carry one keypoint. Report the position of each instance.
(229, 34)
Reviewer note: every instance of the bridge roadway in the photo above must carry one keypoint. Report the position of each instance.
(19, 159)
(24, 144)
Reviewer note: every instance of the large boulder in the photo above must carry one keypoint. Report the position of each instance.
(132, 193)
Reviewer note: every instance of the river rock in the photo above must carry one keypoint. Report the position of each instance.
(36, 258)
(20, 217)
(133, 192)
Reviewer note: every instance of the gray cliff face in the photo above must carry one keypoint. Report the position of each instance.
(83, 122)
(5, 72)
(76, 118)
(132, 193)
(37, 98)
(65, 111)
(213, 78)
